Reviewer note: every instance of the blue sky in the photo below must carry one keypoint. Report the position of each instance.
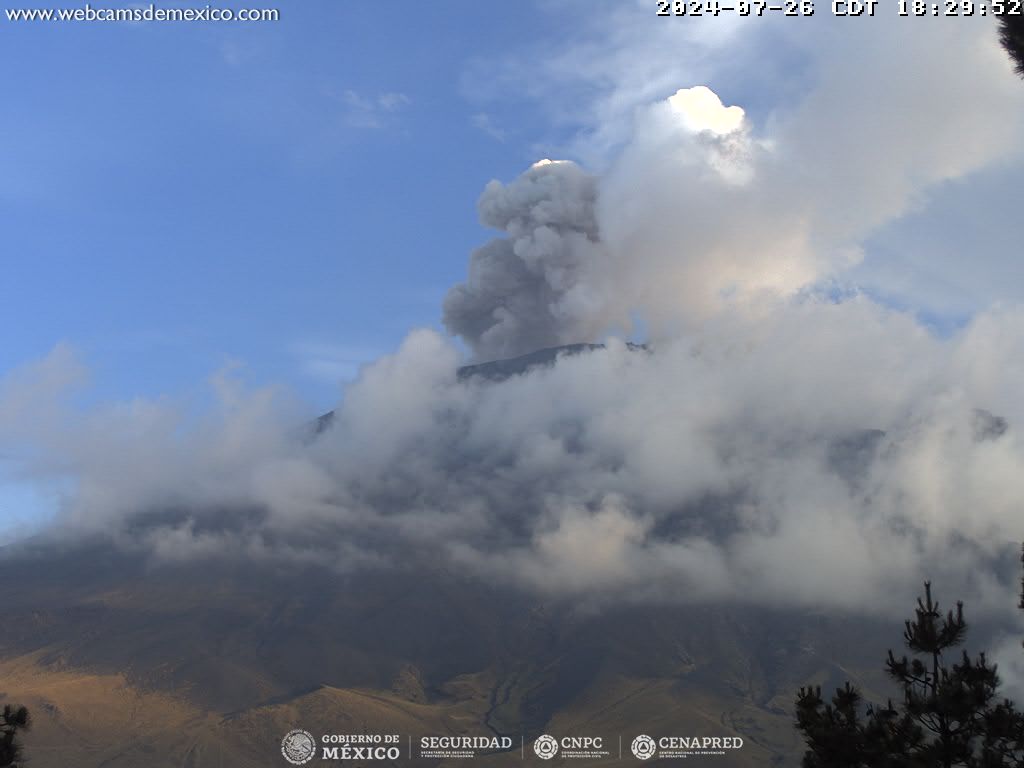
(297, 195)
(178, 195)
(293, 195)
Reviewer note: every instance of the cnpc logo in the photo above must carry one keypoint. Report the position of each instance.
(546, 746)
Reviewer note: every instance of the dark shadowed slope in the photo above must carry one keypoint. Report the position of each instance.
(239, 650)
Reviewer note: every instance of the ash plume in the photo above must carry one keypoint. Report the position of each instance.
(524, 291)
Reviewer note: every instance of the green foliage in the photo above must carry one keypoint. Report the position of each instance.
(950, 715)
(1011, 35)
(12, 720)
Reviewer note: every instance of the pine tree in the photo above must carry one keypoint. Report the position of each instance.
(1011, 35)
(12, 720)
(950, 714)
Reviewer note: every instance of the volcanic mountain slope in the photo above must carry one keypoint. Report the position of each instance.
(126, 663)
(130, 661)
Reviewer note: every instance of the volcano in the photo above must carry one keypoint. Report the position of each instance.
(127, 660)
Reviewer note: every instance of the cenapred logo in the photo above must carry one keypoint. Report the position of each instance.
(643, 747)
(298, 747)
(546, 747)
(680, 747)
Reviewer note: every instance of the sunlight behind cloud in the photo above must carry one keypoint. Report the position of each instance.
(702, 110)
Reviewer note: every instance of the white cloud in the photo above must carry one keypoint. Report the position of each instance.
(775, 444)
(700, 209)
(336, 363)
(485, 123)
(371, 111)
(701, 110)
(919, 127)
(733, 463)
